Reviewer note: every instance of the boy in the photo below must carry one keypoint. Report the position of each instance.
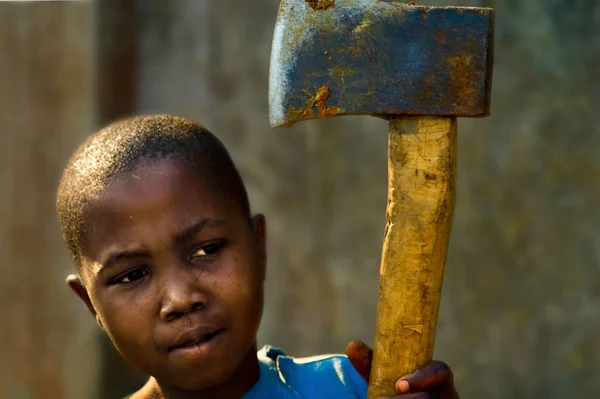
(171, 263)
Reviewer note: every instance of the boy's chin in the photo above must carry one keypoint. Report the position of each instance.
(210, 374)
(200, 380)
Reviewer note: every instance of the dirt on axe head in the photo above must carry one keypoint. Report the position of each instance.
(349, 57)
(420, 68)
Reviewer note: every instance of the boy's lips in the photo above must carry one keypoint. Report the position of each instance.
(195, 337)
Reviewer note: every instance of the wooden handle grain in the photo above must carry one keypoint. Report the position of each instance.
(421, 187)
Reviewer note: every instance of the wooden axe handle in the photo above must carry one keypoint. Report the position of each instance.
(421, 187)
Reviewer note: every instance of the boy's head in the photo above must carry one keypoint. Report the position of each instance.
(170, 262)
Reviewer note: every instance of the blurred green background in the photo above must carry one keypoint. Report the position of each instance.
(521, 300)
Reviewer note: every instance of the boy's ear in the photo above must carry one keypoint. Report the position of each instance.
(259, 225)
(74, 282)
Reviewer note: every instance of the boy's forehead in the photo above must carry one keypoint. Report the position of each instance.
(161, 195)
(163, 179)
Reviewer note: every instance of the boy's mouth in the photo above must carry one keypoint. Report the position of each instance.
(195, 337)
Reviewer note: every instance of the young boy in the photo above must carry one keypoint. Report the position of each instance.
(171, 263)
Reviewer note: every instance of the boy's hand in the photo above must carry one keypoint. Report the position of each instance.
(434, 381)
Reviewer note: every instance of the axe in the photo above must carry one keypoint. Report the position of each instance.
(419, 68)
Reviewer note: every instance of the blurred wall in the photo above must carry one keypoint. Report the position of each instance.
(521, 303)
(46, 97)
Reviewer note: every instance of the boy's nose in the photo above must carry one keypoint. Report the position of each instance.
(182, 295)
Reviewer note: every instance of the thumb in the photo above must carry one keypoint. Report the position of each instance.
(361, 356)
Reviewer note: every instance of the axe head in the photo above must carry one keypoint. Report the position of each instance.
(357, 57)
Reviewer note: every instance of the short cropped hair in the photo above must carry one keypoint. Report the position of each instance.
(124, 145)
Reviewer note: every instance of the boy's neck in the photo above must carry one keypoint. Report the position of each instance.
(242, 380)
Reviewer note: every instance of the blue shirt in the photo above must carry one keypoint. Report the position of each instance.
(325, 376)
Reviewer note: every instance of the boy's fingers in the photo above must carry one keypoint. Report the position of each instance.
(361, 356)
(426, 383)
(434, 375)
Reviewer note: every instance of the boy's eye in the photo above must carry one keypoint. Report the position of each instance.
(211, 249)
(132, 276)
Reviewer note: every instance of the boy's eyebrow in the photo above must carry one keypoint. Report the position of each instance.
(113, 258)
(189, 232)
(184, 235)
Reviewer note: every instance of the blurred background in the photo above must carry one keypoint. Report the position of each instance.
(520, 313)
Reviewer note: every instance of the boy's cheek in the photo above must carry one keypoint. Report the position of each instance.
(247, 303)
(123, 316)
(131, 337)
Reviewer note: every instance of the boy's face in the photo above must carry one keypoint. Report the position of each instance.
(174, 271)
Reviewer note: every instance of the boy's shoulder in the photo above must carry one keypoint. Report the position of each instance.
(323, 376)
